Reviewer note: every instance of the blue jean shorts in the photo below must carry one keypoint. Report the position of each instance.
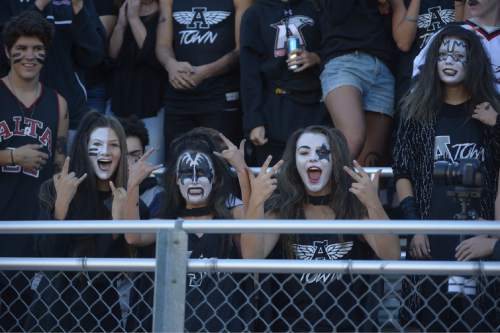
(366, 73)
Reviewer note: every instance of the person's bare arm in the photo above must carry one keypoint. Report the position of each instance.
(138, 29)
(116, 40)
(62, 134)
(404, 23)
(258, 246)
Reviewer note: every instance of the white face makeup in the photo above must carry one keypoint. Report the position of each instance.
(104, 152)
(313, 159)
(195, 176)
(452, 61)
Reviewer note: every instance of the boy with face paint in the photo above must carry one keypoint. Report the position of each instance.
(317, 181)
(33, 131)
(450, 115)
(484, 20)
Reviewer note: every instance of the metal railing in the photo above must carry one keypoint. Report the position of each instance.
(171, 263)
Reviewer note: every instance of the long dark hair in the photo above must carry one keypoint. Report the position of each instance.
(290, 197)
(424, 101)
(221, 190)
(86, 203)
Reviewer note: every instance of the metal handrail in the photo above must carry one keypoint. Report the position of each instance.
(449, 227)
(383, 267)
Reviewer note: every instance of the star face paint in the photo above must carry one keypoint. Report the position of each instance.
(452, 61)
(313, 160)
(27, 57)
(104, 152)
(195, 177)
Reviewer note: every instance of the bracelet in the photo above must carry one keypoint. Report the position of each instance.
(411, 18)
(12, 157)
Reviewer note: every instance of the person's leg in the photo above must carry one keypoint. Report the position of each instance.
(379, 99)
(345, 107)
(376, 149)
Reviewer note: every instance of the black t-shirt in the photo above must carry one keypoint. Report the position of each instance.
(138, 79)
(458, 136)
(213, 301)
(355, 25)
(203, 32)
(328, 301)
(433, 15)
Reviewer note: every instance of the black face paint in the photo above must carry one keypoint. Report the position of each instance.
(93, 151)
(473, 2)
(452, 46)
(40, 57)
(16, 57)
(323, 152)
(194, 165)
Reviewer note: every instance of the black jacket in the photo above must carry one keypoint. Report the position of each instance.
(79, 42)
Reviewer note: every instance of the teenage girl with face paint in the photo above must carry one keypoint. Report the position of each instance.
(91, 186)
(318, 182)
(199, 186)
(450, 115)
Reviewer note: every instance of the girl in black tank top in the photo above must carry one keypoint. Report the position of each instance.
(315, 183)
(200, 186)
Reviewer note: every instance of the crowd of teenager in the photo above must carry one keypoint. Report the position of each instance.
(96, 96)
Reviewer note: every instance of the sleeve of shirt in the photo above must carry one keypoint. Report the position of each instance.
(251, 78)
(89, 37)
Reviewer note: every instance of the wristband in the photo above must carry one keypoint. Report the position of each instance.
(411, 18)
(408, 207)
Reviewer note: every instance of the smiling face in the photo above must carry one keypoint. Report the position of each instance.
(104, 152)
(313, 159)
(452, 61)
(195, 177)
(27, 57)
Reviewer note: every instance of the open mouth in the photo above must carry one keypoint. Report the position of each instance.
(473, 3)
(450, 72)
(104, 165)
(314, 174)
(195, 191)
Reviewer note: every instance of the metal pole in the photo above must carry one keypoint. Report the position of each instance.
(170, 280)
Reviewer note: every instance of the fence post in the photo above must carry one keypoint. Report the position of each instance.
(170, 280)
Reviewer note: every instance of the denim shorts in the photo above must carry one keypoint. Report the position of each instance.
(365, 72)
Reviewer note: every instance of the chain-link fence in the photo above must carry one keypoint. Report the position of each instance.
(110, 302)
(251, 295)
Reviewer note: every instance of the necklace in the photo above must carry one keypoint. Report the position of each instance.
(21, 106)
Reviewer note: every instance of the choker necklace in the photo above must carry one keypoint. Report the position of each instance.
(194, 212)
(322, 200)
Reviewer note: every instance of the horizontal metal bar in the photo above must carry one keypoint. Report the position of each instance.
(383, 267)
(385, 171)
(435, 227)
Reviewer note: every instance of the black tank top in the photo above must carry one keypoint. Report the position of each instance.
(20, 126)
(204, 32)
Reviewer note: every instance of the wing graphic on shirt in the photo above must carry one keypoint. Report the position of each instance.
(338, 250)
(183, 17)
(425, 20)
(335, 251)
(211, 17)
(214, 17)
(304, 252)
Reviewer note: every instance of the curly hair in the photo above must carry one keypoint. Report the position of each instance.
(28, 24)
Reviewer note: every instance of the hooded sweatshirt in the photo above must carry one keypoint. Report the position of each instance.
(263, 55)
(79, 42)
